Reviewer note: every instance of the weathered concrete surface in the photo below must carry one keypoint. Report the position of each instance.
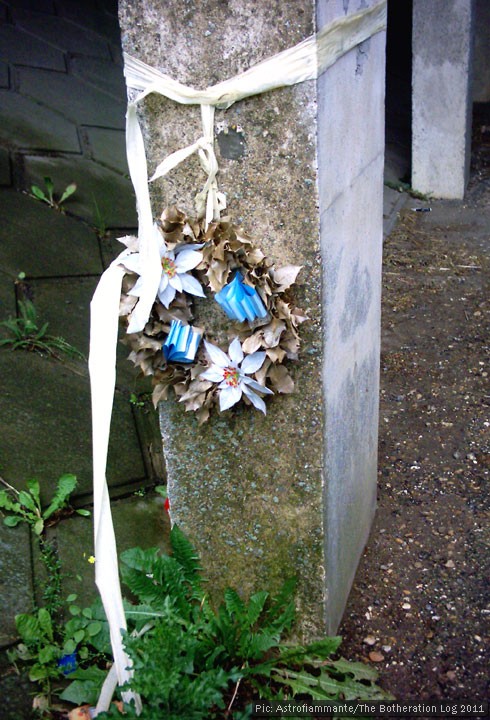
(351, 210)
(256, 493)
(442, 96)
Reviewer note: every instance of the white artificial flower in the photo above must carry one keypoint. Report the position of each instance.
(231, 372)
(175, 270)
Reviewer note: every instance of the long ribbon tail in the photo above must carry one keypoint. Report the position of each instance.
(104, 319)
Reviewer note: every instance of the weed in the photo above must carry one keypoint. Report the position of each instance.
(49, 197)
(26, 334)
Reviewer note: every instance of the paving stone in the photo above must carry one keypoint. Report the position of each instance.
(7, 294)
(15, 691)
(18, 46)
(4, 75)
(104, 74)
(108, 147)
(62, 34)
(46, 427)
(28, 125)
(112, 192)
(15, 579)
(138, 521)
(76, 100)
(5, 169)
(44, 6)
(88, 15)
(65, 304)
(38, 240)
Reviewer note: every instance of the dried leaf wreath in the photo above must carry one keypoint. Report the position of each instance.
(224, 263)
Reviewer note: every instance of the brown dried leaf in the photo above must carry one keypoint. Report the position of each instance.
(217, 274)
(126, 304)
(276, 354)
(253, 343)
(160, 392)
(281, 379)
(202, 414)
(285, 276)
(261, 374)
(272, 332)
(196, 388)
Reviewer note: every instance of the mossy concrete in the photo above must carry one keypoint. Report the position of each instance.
(256, 493)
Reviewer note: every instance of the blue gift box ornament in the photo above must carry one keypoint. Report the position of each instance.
(241, 302)
(181, 343)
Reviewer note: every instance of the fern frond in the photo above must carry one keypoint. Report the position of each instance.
(235, 606)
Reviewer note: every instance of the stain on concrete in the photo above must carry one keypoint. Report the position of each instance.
(358, 301)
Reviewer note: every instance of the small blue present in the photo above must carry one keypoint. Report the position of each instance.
(181, 343)
(241, 302)
(68, 663)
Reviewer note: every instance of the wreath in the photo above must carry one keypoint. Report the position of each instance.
(219, 262)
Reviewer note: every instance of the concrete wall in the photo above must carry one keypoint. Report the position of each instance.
(293, 492)
(351, 158)
(442, 95)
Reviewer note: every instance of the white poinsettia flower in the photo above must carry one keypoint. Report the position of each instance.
(176, 265)
(232, 373)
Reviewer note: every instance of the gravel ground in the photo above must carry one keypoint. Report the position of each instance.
(420, 605)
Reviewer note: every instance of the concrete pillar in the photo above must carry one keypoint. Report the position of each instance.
(442, 96)
(293, 492)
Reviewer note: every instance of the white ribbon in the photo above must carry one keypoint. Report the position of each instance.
(305, 61)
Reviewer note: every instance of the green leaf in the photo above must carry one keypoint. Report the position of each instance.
(81, 692)
(87, 613)
(69, 647)
(69, 190)
(83, 512)
(49, 184)
(326, 687)
(39, 672)
(324, 648)
(74, 610)
(358, 670)
(71, 598)
(94, 628)
(12, 520)
(28, 627)
(255, 606)
(38, 526)
(34, 489)
(234, 604)
(66, 484)
(47, 654)
(7, 503)
(45, 622)
(27, 501)
(78, 636)
(38, 193)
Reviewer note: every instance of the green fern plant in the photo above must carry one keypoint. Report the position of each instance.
(193, 661)
(25, 333)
